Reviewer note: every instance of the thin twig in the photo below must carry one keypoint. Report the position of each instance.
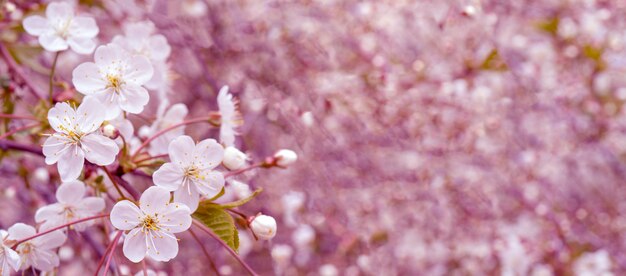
(113, 180)
(54, 66)
(206, 253)
(18, 130)
(58, 228)
(7, 144)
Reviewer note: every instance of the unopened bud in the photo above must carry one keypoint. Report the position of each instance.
(285, 157)
(264, 227)
(234, 159)
(110, 131)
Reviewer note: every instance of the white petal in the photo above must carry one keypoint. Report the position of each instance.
(53, 42)
(89, 115)
(188, 195)
(181, 150)
(53, 148)
(139, 71)
(162, 247)
(135, 245)
(87, 79)
(82, 45)
(125, 215)
(109, 104)
(168, 176)
(21, 231)
(71, 192)
(61, 116)
(154, 200)
(108, 54)
(44, 260)
(91, 205)
(133, 99)
(48, 212)
(176, 218)
(12, 258)
(208, 154)
(59, 11)
(211, 184)
(83, 26)
(99, 150)
(160, 49)
(51, 240)
(70, 164)
(36, 25)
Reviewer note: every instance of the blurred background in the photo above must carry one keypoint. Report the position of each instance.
(434, 137)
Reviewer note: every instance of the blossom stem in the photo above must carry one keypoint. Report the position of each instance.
(163, 131)
(13, 116)
(230, 250)
(115, 241)
(18, 130)
(7, 144)
(151, 157)
(18, 71)
(206, 253)
(106, 252)
(240, 171)
(54, 66)
(104, 168)
(58, 228)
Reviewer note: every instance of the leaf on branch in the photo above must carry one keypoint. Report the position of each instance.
(219, 221)
(218, 195)
(241, 201)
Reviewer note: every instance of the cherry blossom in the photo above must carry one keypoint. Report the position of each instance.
(61, 29)
(38, 252)
(8, 257)
(116, 79)
(190, 172)
(264, 227)
(72, 206)
(77, 139)
(152, 225)
(174, 115)
(231, 118)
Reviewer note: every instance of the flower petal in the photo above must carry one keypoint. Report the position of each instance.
(210, 184)
(168, 176)
(53, 42)
(53, 148)
(84, 27)
(71, 192)
(125, 215)
(107, 55)
(162, 247)
(70, 164)
(208, 154)
(59, 11)
(109, 102)
(44, 260)
(91, 205)
(21, 231)
(181, 150)
(61, 117)
(133, 98)
(12, 258)
(176, 218)
(87, 79)
(36, 25)
(160, 49)
(99, 150)
(90, 115)
(154, 200)
(139, 71)
(48, 212)
(135, 246)
(82, 45)
(50, 241)
(188, 195)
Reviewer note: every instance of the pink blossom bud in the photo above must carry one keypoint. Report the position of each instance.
(285, 157)
(264, 227)
(110, 131)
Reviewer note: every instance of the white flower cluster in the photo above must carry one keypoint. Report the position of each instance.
(114, 85)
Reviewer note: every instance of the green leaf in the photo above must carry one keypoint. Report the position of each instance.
(218, 220)
(241, 201)
(220, 194)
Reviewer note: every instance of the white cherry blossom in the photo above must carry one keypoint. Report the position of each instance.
(190, 173)
(38, 252)
(116, 79)
(231, 118)
(8, 257)
(264, 227)
(77, 138)
(72, 206)
(174, 115)
(152, 225)
(61, 29)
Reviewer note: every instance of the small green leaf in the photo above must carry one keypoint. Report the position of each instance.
(219, 221)
(218, 195)
(241, 201)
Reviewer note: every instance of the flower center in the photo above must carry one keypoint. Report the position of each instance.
(62, 27)
(26, 248)
(150, 223)
(115, 82)
(69, 212)
(72, 135)
(194, 172)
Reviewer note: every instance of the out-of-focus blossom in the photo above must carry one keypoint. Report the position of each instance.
(264, 227)
(8, 257)
(231, 118)
(234, 159)
(190, 173)
(174, 115)
(285, 157)
(61, 29)
(76, 138)
(593, 264)
(303, 236)
(38, 252)
(152, 225)
(115, 79)
(72, 206)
